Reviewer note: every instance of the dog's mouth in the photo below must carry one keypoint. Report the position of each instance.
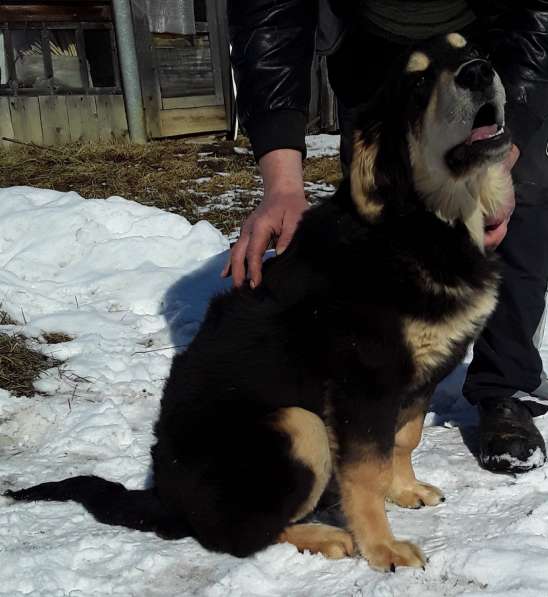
(485, 126)
(487, 141)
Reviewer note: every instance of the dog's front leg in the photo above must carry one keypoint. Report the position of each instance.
(365, 484)
(365, 472)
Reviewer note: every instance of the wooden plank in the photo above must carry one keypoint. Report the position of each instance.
(82, 116)
(221, 40)
(186, 71)
(192, 120)
(60, 11)
(118, 118)
(226, 72)
(111, 118)
(25, 117)
(215, 40)
(6, 127)
(150, 82)
(54, 116)
(198, 101)
(104, 117)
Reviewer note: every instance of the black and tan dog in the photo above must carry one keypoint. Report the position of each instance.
(327, 367)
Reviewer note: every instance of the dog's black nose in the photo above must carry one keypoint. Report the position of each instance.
(475, 75)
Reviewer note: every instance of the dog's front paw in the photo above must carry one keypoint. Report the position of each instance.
(416, 496)
(387, 557)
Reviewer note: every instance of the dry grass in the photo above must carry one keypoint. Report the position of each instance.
(56, 337)
(5, 319)
(20, 366)
(325, 169)
(165, 174)
(162, 173)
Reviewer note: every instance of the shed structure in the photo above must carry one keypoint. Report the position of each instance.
(63, 65)
(61, 78)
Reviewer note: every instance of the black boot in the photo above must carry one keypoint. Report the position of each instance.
(509, 439)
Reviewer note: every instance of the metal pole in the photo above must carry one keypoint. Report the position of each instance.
(133, 98)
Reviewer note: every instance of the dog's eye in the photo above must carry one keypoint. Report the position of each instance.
(420, 82)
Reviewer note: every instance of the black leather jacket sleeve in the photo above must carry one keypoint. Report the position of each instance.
(272, 50)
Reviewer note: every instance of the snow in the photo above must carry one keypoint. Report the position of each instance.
(322, 145)
(536, 458)
(242, 150)
(129, 283)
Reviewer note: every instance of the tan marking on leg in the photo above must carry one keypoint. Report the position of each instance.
(364, 487)
(310, 445)
(332, 542)
(456, 40)
(405, 490)
(418, 62)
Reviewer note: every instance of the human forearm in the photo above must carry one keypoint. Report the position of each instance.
(282, 172)
(272, 50)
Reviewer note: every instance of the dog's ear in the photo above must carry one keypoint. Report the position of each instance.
(380, 174)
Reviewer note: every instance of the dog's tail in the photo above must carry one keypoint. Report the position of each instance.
(110, 503)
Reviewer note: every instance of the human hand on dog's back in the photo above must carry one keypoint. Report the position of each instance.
(497, 226)
(276, 217)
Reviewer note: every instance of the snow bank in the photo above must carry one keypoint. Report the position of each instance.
(128, 283)
(322, 145)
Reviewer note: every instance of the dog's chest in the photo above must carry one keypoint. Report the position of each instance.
(433, 344)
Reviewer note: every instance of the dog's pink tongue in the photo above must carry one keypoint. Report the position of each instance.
(482, 132)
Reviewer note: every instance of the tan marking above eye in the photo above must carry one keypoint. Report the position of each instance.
(456, 40)
(418, 62)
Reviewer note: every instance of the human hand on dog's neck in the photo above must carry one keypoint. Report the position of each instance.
(496, 226)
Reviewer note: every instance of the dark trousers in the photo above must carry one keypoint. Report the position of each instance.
(506, 358)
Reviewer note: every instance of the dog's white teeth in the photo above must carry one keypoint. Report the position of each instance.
(497, 133)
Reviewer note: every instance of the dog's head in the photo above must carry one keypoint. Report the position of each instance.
(435, 131)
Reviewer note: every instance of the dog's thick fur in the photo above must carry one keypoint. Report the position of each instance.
(328, 366)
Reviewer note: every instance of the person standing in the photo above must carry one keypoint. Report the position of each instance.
(272, 49)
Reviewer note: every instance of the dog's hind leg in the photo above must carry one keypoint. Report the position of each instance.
(247, 474)
(332, 542)
(405, 489)
(310, 445)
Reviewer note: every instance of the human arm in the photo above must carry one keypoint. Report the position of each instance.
(276, 217)
(272, 50)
